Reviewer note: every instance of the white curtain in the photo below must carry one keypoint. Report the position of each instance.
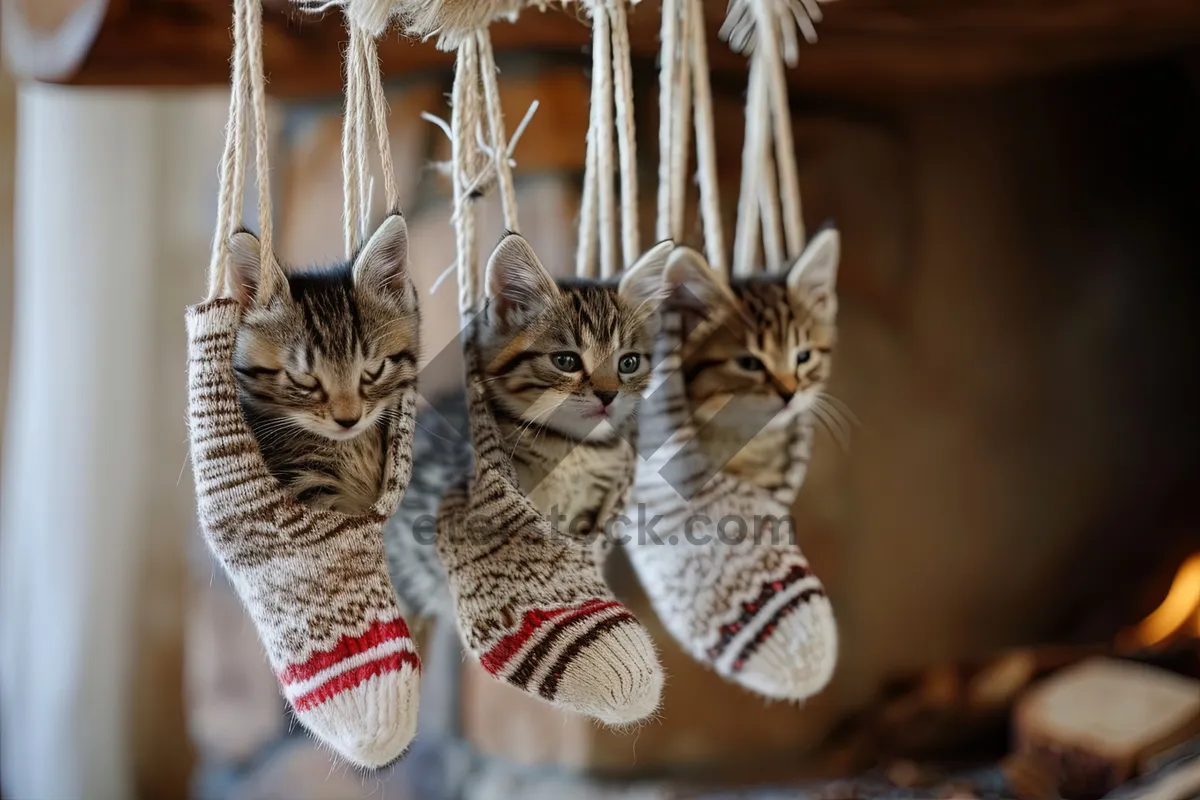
(113, 215)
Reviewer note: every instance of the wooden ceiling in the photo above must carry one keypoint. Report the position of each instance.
(866, 45)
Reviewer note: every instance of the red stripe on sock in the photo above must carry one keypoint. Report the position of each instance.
(352, 678)
(377, 634)
(508, 646)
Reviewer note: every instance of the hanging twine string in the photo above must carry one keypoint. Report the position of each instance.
(365, 116)
(602, 129)
(589, 220)
(352, 171)
(247, 95)
(270, 273)
(497, 148)
(484, 163)
(611, 107)
(597, 213)
(233, 162)
(769, 201)
(706, 149)
(785, 153)
(668, 89)
(466, 166)
(379, 112)
(769, 208)
(622, 65)
(746, 236)
(681, 132)
(685, 102)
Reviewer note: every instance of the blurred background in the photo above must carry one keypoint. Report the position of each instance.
(1011, 540)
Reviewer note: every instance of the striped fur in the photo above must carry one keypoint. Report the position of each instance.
(321, 364)
(737, 591)
(756, 358)
(314, 581)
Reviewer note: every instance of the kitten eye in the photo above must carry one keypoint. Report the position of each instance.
(299, 382)
(804, 356)
(370, 376)
(750, 364)
(566, 361)
(629, 363)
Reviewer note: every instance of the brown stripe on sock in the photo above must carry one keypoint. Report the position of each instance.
(486, 554)
(521, 676)
(324, 536)
(549, 686)
(215, 336)
(766, 630)
(751, 609)
(230, 450)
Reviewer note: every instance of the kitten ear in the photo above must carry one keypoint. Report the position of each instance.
(693, 284)
(244, 262)
(813, 278)
(644, 284)
(382, 264)
(516, 280)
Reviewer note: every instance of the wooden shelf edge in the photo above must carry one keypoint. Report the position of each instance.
(866, 45)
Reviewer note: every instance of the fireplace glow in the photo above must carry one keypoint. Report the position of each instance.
(1179, 612)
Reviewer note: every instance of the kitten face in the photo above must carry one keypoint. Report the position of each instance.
(333, 349)
(763, 344)
(570, 356)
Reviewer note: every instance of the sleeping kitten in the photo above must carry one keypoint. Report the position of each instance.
(758, 352)
(566, 364)
(322, 364)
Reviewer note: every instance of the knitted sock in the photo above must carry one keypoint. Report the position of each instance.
(725, 579)
(531, 603)
(315, 582)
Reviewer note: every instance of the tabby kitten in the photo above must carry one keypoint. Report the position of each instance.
(566, 364)
(321, 366)
(758, 352)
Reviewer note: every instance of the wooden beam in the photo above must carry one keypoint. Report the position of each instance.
(866, 45)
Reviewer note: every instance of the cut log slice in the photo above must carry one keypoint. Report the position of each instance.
(1099, 723)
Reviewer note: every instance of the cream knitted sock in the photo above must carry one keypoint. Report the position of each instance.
(315, 582)
(726, 581)
(531, 603)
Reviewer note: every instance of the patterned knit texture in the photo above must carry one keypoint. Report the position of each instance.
(314, 582)
(727, 582)
(532, 605)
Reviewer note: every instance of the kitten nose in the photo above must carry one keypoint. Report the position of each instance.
(787, 396)
(606, 397)
(347, 423)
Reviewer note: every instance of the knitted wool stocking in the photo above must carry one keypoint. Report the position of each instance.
(531, 603)
(315, 582)
(726, 581)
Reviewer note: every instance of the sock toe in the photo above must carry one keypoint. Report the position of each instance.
(796, 660)
(371, 724)
(616, 678)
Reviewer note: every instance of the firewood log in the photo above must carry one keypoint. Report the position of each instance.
(1099, 723)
